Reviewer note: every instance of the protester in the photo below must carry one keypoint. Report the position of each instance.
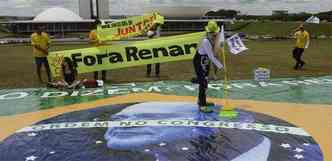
(302, 42)
(94, 40)
(69, 78)
(205, 53)
(154, 32)
(40, 44)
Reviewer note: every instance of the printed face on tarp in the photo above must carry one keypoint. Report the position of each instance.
(85, 142)
(136, 137)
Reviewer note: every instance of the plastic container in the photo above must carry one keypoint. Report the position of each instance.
(262, 74)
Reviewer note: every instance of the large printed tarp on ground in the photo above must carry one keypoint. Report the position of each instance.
(182, 134)
(173, 48)
(296, 90)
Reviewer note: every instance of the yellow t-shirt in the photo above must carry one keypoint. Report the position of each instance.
(41, 40)
(301, 39)
(93, 38)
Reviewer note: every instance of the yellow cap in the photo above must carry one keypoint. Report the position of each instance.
(212, 26)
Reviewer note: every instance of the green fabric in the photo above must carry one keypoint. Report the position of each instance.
(294, 90)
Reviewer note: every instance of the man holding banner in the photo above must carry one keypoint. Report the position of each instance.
(95, 41)
(204, 54)
(40, 43)
(154, 32)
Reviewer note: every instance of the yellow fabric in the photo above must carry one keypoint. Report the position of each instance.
(301, 39)
(93, 38)
(129, 27)
(135, 53)
(41, 40)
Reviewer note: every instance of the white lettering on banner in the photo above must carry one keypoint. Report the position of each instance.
(242, 85)
(150, 89)
(166, 123)
(118, 91)
(190, 88)
(171, 88)
(214, 86)
(13, 96)
(131, 88)
(136, 89)
(265, 84)
(328, 81)
(221, 86)
(154, 88)
(314, 81)
(303, 82)
(290, 83)
(54, 94)
(97, 92)
(75, 93)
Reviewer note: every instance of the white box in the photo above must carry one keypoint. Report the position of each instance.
(262, 74)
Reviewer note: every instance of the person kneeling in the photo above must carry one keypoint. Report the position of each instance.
(68, 77)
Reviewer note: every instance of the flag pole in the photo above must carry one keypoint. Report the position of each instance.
(227, 111)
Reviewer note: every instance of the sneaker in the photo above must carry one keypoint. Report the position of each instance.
(205, 109)
(301, 65)
(194, 80)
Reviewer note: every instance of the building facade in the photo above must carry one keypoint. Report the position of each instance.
(61, 20)
(85, 9)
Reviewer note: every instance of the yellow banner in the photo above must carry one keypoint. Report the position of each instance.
(130, 27)
(172, 48)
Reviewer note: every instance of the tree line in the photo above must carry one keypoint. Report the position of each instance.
(229, 14)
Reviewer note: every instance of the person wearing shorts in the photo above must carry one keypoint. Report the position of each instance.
(40, 43)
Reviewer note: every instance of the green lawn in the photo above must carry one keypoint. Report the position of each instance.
(283, 28)
(18, 70)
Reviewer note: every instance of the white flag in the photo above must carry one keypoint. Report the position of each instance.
(222, 36)
(236, 45)
(313, 19)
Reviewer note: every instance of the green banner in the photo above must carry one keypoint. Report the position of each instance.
(159, 50)
(296, 90)
(130, 27)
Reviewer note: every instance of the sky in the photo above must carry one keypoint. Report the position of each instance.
(257, 7)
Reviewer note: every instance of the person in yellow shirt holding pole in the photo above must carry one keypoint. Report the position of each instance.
(302, 42)
(40, 43)
(94, 40)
